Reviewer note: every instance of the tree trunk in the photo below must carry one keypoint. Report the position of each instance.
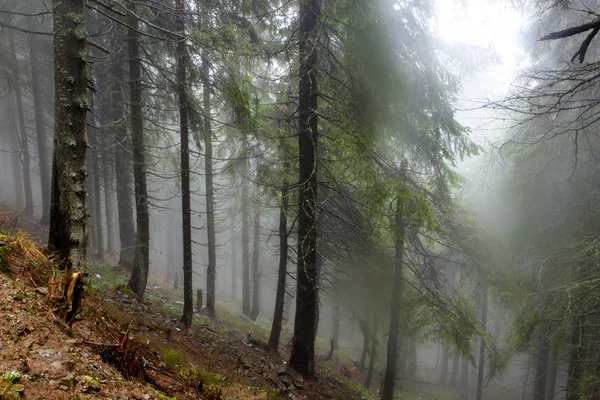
(245, 236)
(482, 349)
(15, 157)
(40, 122)
(139, 274)
(255, 266)
(303, 343)
(22, 136)
(234, 273)
(463, 383)
(188, 294)
(211, 271)
(576, 357)
(412, 357)
(95, 181)
(454, 374)
(444, 368)
(389, 382)
(335, 321)
(91, 206)
(526, 382)
(68, 228)
(365, 349)
(107, 177)
(374, 344)
(552, 375)
(282, 271)
(541, 374)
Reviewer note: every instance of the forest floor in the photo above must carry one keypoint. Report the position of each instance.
(120, 348)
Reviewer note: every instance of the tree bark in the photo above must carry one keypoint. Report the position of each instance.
(22, 136)
(412, 357)
(188, 294)
(123, 162)
(245, 236)
(234, 273)
(464, 378)
(211, 271)
(303, 343)
(255, 266)
(374, 344)
(389, 382)
(482, 349)
(365, 349)
(282, 271)
(576, 357)
(107, 178)
(40, 124)
(95, 181)
(454, 374)
(552, 375)
(68, 228)
(541, 374)
(444, 367)
(139, 275)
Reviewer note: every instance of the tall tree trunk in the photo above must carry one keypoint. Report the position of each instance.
(482, 349)
(444, 367)
(23, 140)
(526, 382)
(95, 177)
(255, 266)
(211, 270)
(303, 343)
(365, 348)
(40, 123)
(15, 157)
(552, 375)
(335, 321)
(122, 166)
(139, 275)
(188, 294)
(389, 381)
(91, 206)
(463, 384)
(454, 374)
(68, 227)
(245, 236)
(412, 357)
(541, 374)
(282, 271)
(107, 178)
(234, 273)
(374, 344)
(576, 357)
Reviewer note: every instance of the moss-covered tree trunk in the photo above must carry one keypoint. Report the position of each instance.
(68, 214)
(303, 343)
(96, 192)
(23, 140)
(40, 120)
(186, 217)
(139, 274)
(211, 270)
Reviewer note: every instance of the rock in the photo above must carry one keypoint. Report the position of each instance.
(42, 290)
(293, 396)
(146, 397)
(71, 341)
(56, 366)
(63, 387)
(46, 352)
(136, 394)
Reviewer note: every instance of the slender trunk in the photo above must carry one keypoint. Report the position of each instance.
(188, 294)
(526, 382)
(444, 372)
(374, 344)
(255, 266)
(482, 350)
(552, 375)
(91, 206)
(463, 384)
(412, 357)
(95, 181)
(68, 227)
(365, 349)
(16, 166)
(389, 382)
(245, 237)
(211, 271)
(40, 124)
(576, 358)
(303, 343)
(139, 275)
(454, 374)
(335, 322)
(234, 273)
(282, 271)
(22, 136)
(541, 374)
(122, 167)
(107, 177)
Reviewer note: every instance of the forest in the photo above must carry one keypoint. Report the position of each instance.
(377, 181)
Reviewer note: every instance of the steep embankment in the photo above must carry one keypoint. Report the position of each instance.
(122, 349)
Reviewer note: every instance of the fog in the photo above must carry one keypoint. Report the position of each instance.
(457, 175)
